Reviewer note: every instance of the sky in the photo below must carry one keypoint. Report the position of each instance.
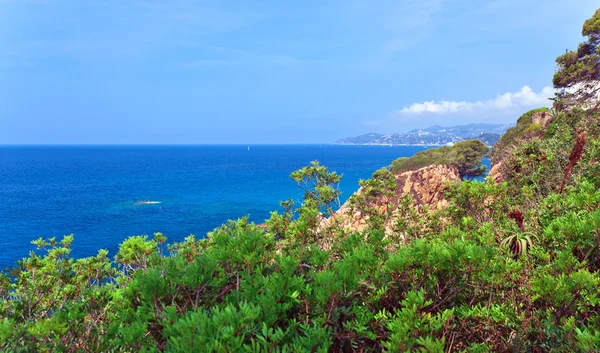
(249, 72)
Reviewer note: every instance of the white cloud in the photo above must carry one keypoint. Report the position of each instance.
(525, 97)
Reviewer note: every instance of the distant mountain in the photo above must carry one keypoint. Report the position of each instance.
(364, 139)
(489, 138)
(434, 135)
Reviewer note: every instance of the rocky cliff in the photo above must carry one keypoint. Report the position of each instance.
(425, 187)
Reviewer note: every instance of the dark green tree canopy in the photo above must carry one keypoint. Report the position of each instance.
(578, 74)
(466, 156)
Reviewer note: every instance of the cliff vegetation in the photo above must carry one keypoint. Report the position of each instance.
(466, 156)
(511, 264)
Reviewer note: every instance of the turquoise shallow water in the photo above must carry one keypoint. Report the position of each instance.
(95, 192)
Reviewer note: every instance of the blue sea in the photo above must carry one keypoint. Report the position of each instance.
(97, 192)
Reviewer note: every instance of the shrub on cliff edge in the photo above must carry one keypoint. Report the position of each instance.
(466, 156)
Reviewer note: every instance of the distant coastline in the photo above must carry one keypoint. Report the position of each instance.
(435, 136)
(395, 145)
(388, 145)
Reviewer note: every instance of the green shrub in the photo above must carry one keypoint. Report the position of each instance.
(466, 156)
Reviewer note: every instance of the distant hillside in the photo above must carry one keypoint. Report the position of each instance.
(488, 138)
(434, 135)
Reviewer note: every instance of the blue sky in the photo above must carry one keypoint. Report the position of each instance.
(182, 71)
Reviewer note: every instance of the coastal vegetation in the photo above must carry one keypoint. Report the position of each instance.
(578, 71)
(509, 266)
(466, 156)
(524, 125)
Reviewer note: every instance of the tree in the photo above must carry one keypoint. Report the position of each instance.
(466, 156)
(321, 188)
(577, 78)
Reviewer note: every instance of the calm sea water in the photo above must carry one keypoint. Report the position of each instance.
(94, 191)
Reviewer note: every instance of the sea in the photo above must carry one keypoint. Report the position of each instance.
(104, 194)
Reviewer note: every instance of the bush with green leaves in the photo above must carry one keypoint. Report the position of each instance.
(466, 156)
(515, 134)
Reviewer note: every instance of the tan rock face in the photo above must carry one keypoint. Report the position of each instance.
(425, 186)
(542, 118)
(495, 174)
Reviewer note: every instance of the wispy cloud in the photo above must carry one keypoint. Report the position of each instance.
(209, 63)
(410, 24)
(121, 30)
(221, 56)
(402, 43)
(392, 26)
(196, 17)
(383, 30)
(523, 98)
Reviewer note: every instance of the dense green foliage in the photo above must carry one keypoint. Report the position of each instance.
(509, 267)
(579, 71)
(459, 288)
(522, 129)
(466, 156)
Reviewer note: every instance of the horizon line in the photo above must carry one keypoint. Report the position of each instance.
(197, 144)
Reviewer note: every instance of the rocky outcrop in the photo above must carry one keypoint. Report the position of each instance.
(539, 123)
(425, 186)
(495, 173)
(543, 119)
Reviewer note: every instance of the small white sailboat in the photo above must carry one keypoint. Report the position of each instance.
(248, 148)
